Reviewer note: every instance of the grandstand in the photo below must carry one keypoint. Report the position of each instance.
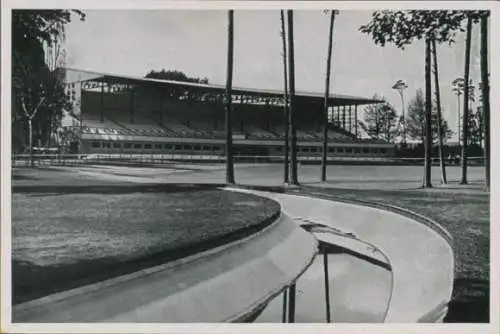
(133, 115)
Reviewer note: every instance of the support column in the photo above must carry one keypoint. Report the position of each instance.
(350, 118)
(241, 114)
(267, 115)
(131, 106)
(356, 120)
(102, 103)
(343, 117)
(81, 88)
(161, 110)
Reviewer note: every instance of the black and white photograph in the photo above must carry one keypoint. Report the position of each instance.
(247, 163)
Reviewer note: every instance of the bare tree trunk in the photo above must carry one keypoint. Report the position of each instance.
(458, 96)
(465, 129)
(324, 160)
(30, 141)
(229, 85)
(327, 286)
(286, 177)
(428, 114)
(439, 116)
(486, 97)
(291, 71)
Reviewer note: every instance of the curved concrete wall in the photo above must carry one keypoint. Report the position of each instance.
(422, 259)
(227, 284)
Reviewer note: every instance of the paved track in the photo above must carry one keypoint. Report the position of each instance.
(422, 261)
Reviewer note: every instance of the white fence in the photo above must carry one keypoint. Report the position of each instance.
(155, 159)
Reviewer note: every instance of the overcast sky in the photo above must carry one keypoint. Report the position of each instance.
(134, 42)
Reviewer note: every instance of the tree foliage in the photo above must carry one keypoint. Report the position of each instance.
(40, 25)
(38, 94)
(416, 117)
(175, 75)
(402, 28)
(380, 121)
(458, 87)
(416, 120)
(476, 125)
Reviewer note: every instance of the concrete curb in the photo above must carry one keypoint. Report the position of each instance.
(435, 313)
(198, 281)
(438, 313)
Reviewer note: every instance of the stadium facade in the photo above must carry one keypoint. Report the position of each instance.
(114, 114)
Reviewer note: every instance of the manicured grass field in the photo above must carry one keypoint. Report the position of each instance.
(66, 236)
(466, 216)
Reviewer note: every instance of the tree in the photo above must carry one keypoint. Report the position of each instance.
(438, 113)
(401, 28)
(174, 75)
(324, 161)
(37, 79)
(400, 86)
(485, 94)
(286, 178)
(446, 132)
(428, 114)
(465, 122)
(416, 117)
(380, 121)
(457, 87)
(475, 126)
(292, 106)
(416, 121)
(228, 98)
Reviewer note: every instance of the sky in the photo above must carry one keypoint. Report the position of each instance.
(133, 42)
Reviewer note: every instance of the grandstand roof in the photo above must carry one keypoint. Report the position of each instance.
(335, 99)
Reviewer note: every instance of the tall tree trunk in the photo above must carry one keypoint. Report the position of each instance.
(486, 97)
(286, 177)
(439, 116)
(465, 126)
(229, 86)
(428, 116)
(30, 140)
(324, 160)
(291, 110)
(458, 98)
(480, 131)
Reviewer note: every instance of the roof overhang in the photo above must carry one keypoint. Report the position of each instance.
(334, 99)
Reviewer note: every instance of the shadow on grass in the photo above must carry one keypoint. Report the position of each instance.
(31, 281)
(384, 194)
(54, 190)
(472, 301)
(22, 177)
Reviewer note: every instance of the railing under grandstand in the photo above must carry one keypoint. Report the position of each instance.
(155, 159)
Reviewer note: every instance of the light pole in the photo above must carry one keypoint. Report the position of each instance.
(400, 86)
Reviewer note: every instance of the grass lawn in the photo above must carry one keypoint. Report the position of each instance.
(466, 216)
(67, 236)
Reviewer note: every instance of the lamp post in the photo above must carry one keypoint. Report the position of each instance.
(400, 87)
